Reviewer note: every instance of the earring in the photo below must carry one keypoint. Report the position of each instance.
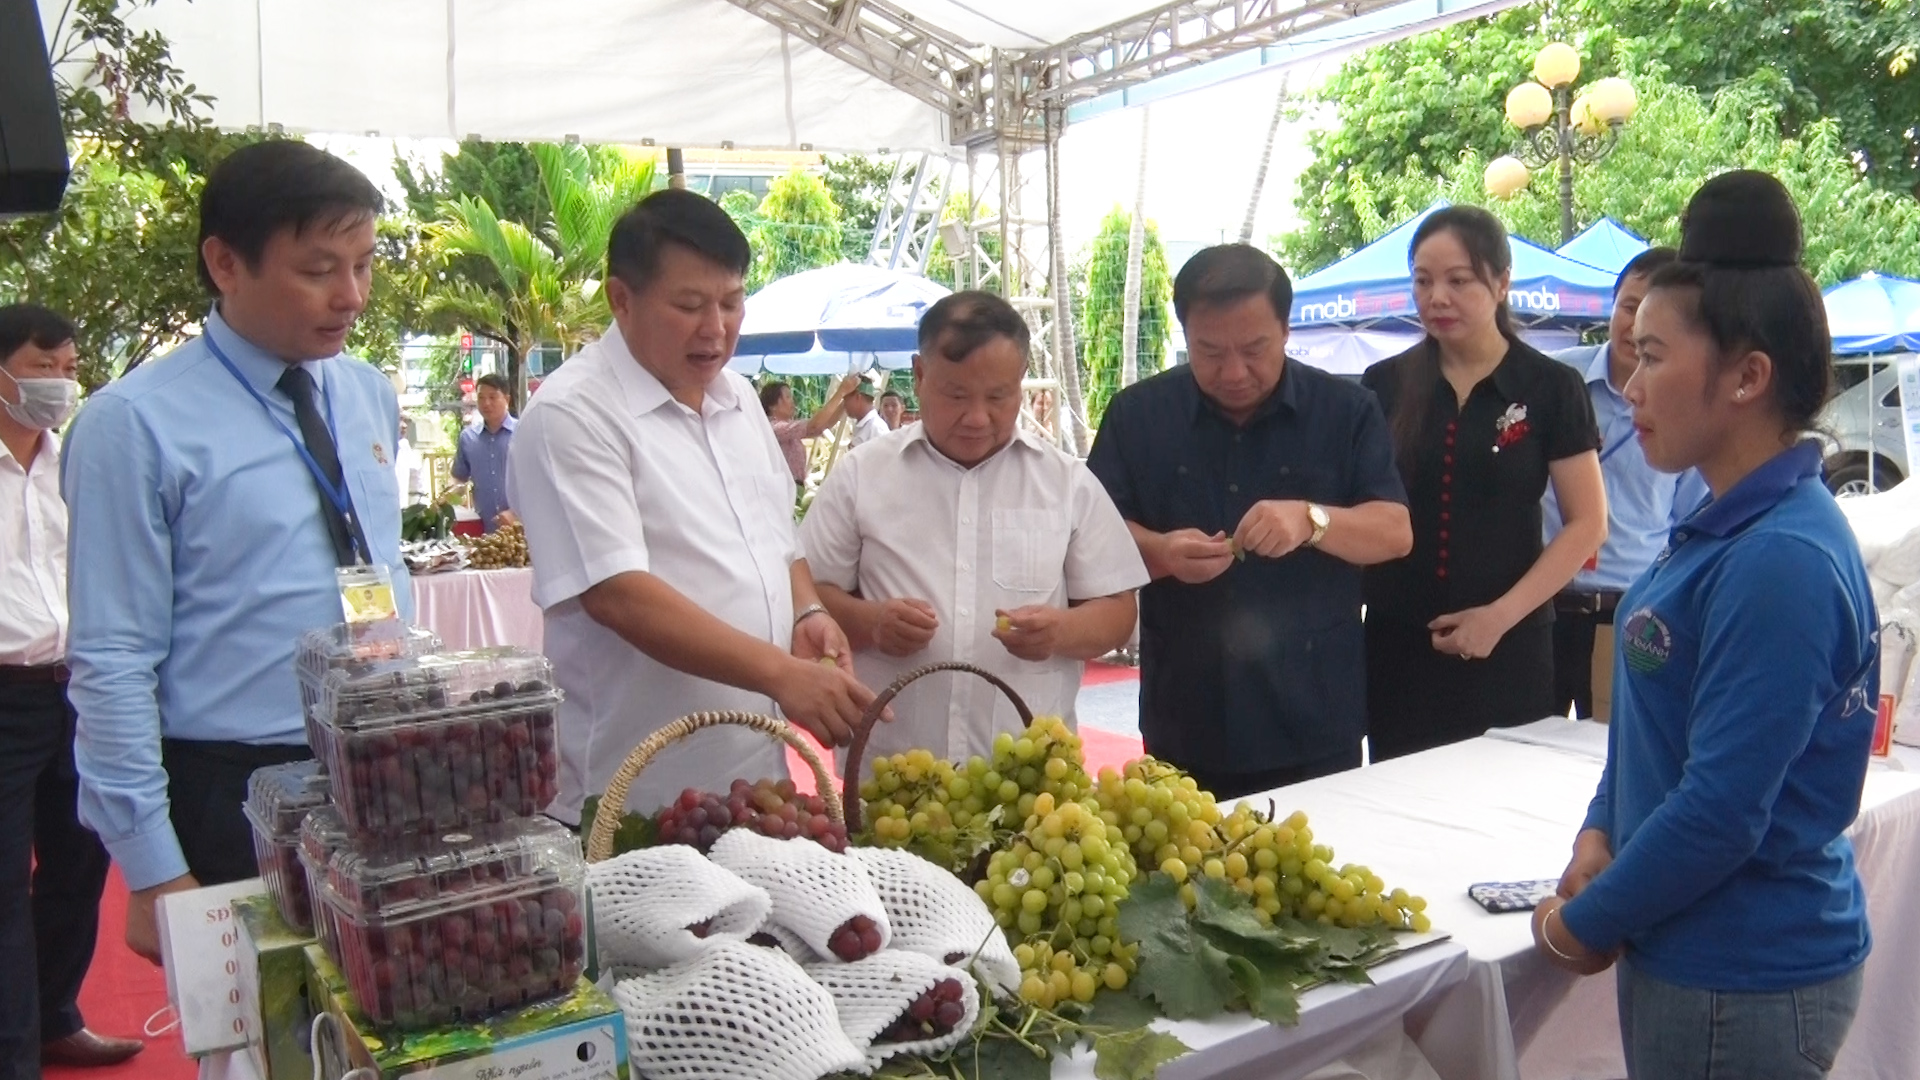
(1740, 393)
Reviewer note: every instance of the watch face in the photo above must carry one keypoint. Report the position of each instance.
(1318, 515)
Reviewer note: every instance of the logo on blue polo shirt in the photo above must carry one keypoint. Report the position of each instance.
(1648, 642)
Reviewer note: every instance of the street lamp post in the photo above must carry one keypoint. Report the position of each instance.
(1560, 128)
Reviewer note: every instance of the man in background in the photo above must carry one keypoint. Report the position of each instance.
(867, 423)
(482, 454)
(1643, 504)
(52, 868)
(893, 409)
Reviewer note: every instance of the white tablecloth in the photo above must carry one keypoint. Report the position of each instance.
(1505, 808)
(474, 609)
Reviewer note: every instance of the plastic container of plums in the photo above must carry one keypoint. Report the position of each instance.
(322, 832)
(430, 744)
(352, 648)
(278, 799)
(446, 929)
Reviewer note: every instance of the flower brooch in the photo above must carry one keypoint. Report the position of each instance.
(1511, 427)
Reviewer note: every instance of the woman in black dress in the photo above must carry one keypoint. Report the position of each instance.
(1459, 633)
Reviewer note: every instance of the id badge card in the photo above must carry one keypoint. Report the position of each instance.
(366, 594)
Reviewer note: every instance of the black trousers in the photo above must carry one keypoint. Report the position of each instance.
(1233, 785)
(207, 785)
(1574, 632)
(52, 870)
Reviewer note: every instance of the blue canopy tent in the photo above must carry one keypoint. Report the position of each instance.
(1874, 313)
(1551, 299)
(834, 320)
(1604, 245)
(1373, 287)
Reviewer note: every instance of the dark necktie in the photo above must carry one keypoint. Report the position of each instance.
(298, 386)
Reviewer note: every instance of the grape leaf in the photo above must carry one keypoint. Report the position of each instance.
(1273, 999)
(1134, 1055)
(1118, 1011)
(1001, 1059)
(1182, 971)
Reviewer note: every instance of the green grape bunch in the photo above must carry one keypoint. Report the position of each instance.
(1056, 889)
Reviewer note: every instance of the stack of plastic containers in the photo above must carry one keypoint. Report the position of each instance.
(436, 888)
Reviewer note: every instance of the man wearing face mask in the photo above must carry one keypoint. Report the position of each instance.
(52, 869)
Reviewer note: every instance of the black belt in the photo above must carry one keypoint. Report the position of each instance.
(32, 674)
(1586, 603)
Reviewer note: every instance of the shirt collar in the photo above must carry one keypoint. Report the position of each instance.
(261, 369)
(49, 452)
(1760, 491)
(1283, 397)
(506, 424)
(1023, 441)
(1507, 378)
(646, 393)
(1599, 368)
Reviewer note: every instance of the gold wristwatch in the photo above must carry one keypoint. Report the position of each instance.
(1321, 519)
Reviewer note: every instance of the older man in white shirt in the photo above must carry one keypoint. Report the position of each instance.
(659, 514)
(964, 538)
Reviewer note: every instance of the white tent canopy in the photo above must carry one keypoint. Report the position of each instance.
(661, 72)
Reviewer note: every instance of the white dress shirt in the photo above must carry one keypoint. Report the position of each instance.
(1028, 526)
(33, 558)
(868, 428)
(611, 474)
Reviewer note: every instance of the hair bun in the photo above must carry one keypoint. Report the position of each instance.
(1742, 219)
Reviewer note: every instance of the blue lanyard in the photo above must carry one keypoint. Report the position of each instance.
(1615, 448)
(339, 497)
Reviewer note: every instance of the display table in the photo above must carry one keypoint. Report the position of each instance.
(474, 609)
(1506, 807)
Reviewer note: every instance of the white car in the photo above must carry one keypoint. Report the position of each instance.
(1861, 426)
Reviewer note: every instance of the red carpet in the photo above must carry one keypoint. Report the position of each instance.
(121, 992)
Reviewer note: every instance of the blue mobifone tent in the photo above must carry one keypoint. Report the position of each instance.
(1373, 288)
(1874, 313)
(1604, 245)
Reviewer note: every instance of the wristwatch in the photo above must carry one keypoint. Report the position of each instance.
(810, 611)
(1321, 519)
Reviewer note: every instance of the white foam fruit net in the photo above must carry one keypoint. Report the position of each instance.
(814, 891)
(871, 993)
(735, 1012)
(646, 904)
(933, 913)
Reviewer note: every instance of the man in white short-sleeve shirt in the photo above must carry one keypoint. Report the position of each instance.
(868, 424)
(659, 514)
(964, 538)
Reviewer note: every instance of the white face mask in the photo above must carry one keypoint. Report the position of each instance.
(44, 403)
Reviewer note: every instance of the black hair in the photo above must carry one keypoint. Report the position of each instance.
(1485, 242)
(279, 184)
(1228, 273)
(30, 324)
(495, 381)
(1647, 262)
(1776, 310)
(673, 216)
(771, 394)
(961, 322)
(895, 395)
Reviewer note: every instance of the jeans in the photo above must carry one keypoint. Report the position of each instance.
(49, 915)
(1679, 1033)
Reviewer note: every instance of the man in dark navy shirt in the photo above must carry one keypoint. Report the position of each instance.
(1257, 489)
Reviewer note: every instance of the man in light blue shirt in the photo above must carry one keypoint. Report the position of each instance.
(482, 454)
(1643, 504)
(212, 494)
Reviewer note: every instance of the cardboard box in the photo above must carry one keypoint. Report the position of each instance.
(578, 1037)
(273, 990)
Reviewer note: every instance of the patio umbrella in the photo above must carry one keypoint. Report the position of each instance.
(1874, 313)
(834, 320)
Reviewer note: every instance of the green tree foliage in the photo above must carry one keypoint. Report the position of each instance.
(1419, 104)
(504, 174)
(858, 184)
(544, 279)
(796, 227)
(1102, 311)
(1676, 143)
(119, 256)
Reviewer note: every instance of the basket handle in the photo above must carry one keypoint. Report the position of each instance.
(613, 802)
(850, 785)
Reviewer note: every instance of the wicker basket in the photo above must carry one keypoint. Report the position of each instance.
(613, 802)
(850, 790)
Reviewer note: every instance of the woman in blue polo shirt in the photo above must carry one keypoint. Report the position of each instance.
(1713, 861)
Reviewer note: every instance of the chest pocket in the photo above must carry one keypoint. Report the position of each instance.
(769, 521)
(1029, 549)
(375, 491)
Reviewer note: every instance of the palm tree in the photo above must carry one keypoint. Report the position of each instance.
(545, 281)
